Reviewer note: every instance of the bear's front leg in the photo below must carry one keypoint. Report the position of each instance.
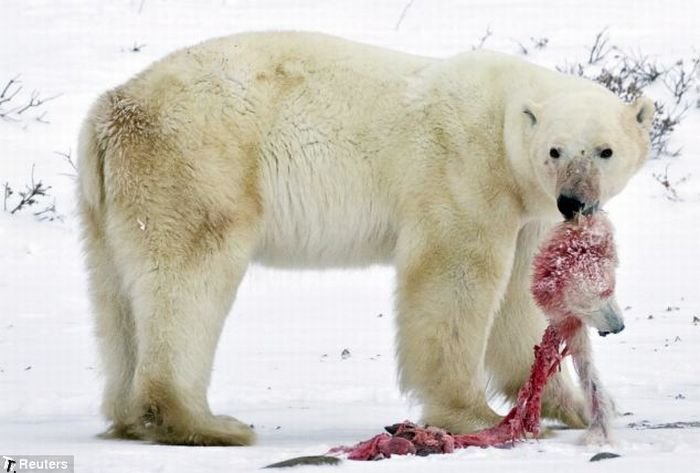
(601, 405)
(518, 327)
(448, 293)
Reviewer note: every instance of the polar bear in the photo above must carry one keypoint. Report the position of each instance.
(304, 150)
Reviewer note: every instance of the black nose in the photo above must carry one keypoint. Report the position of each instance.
(569, 206)
(605, 334)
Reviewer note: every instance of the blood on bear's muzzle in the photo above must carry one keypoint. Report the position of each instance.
(578, 185)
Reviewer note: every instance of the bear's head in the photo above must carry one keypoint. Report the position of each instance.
(581, 148)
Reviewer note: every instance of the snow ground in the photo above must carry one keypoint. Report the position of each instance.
(279, 365)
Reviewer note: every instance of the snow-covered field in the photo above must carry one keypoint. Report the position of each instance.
(279, 365)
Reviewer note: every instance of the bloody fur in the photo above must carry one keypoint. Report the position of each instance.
(576, 261)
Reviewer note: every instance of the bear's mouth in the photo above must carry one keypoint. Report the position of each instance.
(590, 209)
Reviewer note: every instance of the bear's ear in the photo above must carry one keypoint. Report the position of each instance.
(531, 111)
(643, 109)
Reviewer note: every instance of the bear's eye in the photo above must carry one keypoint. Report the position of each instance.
(554, 153)
(606, 153)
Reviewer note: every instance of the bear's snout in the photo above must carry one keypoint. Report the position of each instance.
(578, 188)
(569, 206)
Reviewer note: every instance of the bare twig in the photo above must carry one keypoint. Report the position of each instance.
(663, 126)
(4, 97)
(48, 214)
(624, 86)
(483, 39)
(600, 47)
(35, 101)
(679, 80)
(137, 47)
(8, 85)
(68, 157)
(535, 43)
(642, 68)
(30, 194)
(33, 194)
(669, 186)
(40, 118)
(523, 50)
(9, 93)
(539, 43)
(406, 7)
(7, 192)
(573, 69)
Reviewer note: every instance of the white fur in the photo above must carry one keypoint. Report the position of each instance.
(601, 406)
(304, 150)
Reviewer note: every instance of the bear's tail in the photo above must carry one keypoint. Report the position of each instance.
(92, 148)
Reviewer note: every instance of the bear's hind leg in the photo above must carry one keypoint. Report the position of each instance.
(179, 311)
(114, 324)
(180, 209)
